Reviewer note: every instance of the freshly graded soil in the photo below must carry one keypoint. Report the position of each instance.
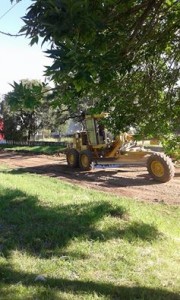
(126, 181)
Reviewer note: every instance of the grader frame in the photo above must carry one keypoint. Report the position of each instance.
(93, 146)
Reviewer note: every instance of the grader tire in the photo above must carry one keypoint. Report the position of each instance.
(85, 160)
(160, 167)
(72, 158)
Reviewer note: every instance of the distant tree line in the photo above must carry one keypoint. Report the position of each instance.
(29, 108)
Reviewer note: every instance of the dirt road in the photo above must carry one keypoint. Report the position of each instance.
(128, 181)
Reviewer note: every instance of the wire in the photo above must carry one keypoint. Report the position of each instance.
(6, 33)
(8, 10)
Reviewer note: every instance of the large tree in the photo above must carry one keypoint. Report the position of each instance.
(120, 56)
(25, 109)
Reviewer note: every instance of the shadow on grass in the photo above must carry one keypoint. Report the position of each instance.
(78, 287)
(25, 225)
(41, 230)
(143, 231)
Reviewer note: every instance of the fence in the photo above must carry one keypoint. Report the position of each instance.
(36, 143)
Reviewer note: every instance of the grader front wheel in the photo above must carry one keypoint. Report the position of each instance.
(160, 167)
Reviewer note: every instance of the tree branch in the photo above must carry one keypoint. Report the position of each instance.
(137, 26)
(11, 35)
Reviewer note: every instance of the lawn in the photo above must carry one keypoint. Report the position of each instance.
(61, 241)
(52, 149)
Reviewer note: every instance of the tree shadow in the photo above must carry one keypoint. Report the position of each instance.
(79, 287)
(132, 233)
(42, 230)
(143, 231)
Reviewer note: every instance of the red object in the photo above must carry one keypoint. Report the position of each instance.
(1, 129)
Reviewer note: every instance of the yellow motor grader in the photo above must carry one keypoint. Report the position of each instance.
(94, 146)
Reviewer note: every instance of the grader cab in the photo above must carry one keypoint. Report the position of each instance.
(96, 146)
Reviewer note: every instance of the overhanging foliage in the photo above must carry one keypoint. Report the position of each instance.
(115, 56)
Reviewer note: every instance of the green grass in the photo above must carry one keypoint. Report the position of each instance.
(85, 244)
(52, 149)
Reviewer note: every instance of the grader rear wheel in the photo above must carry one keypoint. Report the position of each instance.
(160, 167)
(85, 160)
(72, 158)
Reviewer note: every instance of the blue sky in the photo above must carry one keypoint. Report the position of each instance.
(18, 60)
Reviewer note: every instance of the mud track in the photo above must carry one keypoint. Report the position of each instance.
(127, 181)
